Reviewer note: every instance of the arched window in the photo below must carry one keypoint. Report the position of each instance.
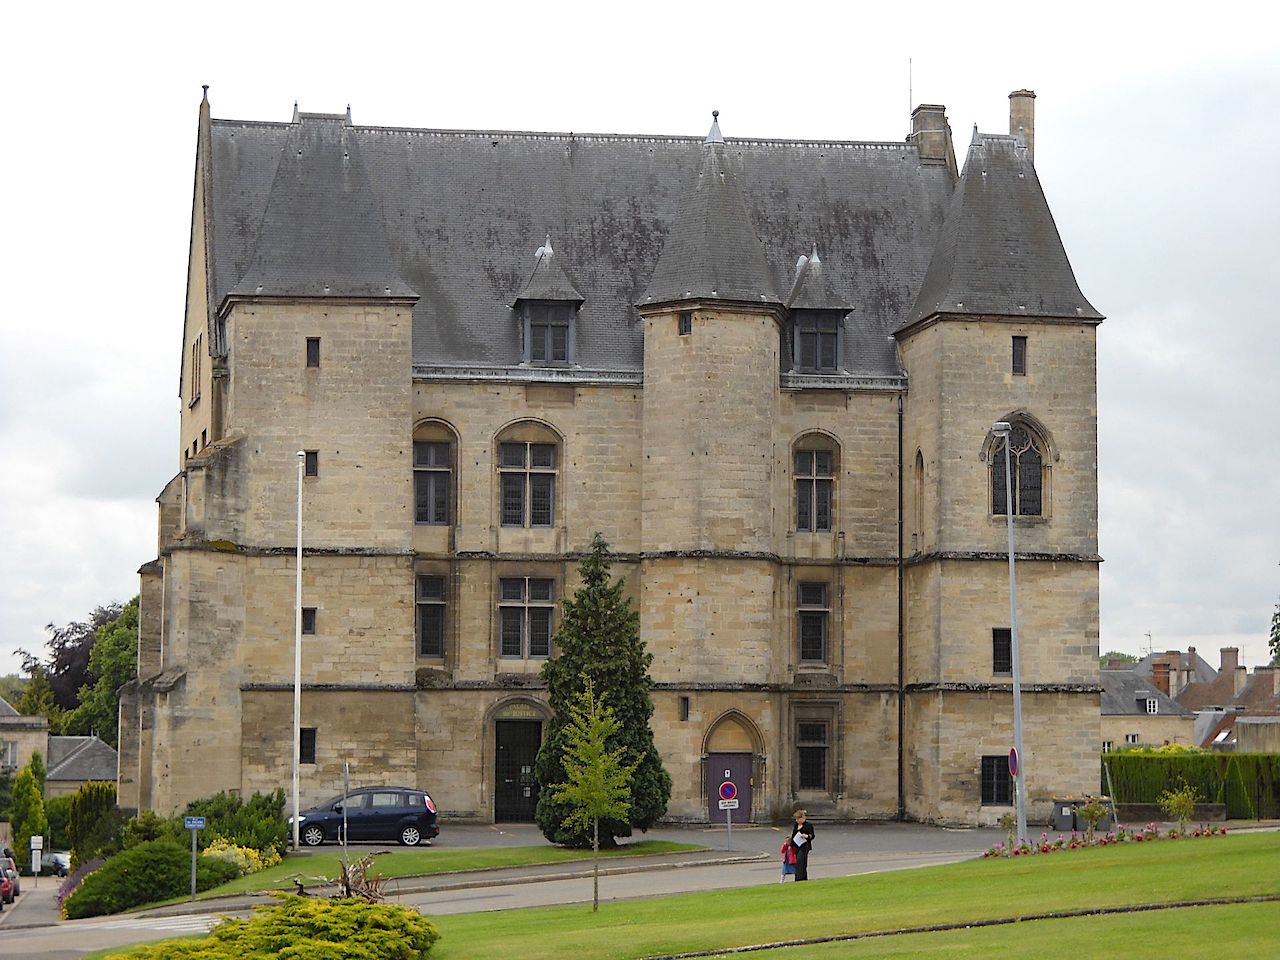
(917, 518)
(528, 465)
(1026, 471)
(816, 461)
(433, 465)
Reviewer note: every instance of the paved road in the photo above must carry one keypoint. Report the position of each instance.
(840, 850)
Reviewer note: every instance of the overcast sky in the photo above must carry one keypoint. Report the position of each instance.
(1157, 144)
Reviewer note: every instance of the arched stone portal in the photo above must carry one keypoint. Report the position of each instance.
(732, 751)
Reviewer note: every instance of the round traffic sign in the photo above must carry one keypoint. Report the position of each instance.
(1013, 762)
(728, 790)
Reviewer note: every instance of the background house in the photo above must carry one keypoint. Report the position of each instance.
(70, 762)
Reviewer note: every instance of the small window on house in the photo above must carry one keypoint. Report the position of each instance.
(684, 708)
(311, 463)
(814, 615)
(812, 748)
(1019, 356)
(1130, 738)
(1153, 705)
(432, 473)
(307, 745)
(816, 341)
(204, 439)
(548, 337)
(686, 323)
(1001, 651)
(528, 478)
(997, 784)
(1026, 470)
(525, 616)
(431, 616)
(313, 351)
(1107, 746)
(309, 620)
(8, 754)
(815, 488)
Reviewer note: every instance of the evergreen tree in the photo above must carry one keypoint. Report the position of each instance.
(38, 770)
(599, 638)
(38, 700)
(28, 816)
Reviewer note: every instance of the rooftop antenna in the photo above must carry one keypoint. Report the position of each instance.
(1150, 648)
(910, 96)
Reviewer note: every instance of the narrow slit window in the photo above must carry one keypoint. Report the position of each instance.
(1019, 356)
(313, 351)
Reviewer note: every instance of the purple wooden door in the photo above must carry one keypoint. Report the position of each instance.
(734, 768)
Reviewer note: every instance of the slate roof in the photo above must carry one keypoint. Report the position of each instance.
(320, 207)
(6, 710)
(1124, 693)
(81, 758)
(813, 288)
(999, 251)
(1200, 668)
(548, 280)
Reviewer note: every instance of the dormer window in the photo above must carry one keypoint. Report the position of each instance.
(548, 331)
(815, 341)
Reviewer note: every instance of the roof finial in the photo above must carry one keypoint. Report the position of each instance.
(713, 136)
(348, 114)
(813, 257)
(975, 135)
(544, 250)
(205, 88)
(296, 117)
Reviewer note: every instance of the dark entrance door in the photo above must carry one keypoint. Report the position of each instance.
(515, 792)
(736, 768)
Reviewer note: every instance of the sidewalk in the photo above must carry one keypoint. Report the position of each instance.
(36, 906)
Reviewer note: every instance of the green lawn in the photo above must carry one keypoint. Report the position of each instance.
(422, 861)
(1237, 865)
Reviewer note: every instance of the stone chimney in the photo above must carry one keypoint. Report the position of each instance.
(931, 134)
(1022, 119)
(1160, 676)
(1268, 678)
(1229, 659)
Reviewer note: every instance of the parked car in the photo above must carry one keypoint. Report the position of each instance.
(403, 814)
(12, 882)
(56, 862)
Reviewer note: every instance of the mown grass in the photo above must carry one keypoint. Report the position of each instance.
(427, 861)
(1168, 871)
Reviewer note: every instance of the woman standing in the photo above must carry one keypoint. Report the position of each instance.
(802, 840)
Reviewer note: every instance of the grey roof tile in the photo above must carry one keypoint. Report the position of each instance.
(461, 211)
(6, 710)
(548, 280)
(81, 758)
(813, 288)
(999, 251)
(1124, 693)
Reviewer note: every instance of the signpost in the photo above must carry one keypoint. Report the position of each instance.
(728, 803)
(37, 845)
(195, 825)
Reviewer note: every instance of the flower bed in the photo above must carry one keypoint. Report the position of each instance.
(1122, 834)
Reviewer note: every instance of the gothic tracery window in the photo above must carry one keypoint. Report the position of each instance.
(1026, 473)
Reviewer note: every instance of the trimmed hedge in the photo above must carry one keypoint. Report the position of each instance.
(1248, 783)
(158, 870)
(308, 930)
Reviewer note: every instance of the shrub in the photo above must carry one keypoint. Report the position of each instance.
(57, 810)
(94, 823)
(157, 870)
(1248, 783)
(311, 930)
(1179, 805)
(258, 823)
(149, 825)
(244, 859)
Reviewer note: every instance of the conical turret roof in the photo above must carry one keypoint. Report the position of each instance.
(712, 251)
(322, 233)
(999, 251)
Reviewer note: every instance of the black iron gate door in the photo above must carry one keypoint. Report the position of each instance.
(515, 792)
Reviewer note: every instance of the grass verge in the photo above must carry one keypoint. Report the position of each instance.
(427, 862)
(1238, 865)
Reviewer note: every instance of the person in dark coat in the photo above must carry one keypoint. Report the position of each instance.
(802, 840)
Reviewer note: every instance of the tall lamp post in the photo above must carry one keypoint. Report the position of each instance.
(297, 659)
(1004, 429)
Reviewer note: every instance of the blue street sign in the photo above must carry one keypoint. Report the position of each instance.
(728, 790)
(194, 823)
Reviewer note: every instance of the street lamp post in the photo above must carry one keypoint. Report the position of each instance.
(297, 659)
(1004, 429)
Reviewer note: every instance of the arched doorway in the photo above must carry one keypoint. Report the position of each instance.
(517, 735)
(731, 749)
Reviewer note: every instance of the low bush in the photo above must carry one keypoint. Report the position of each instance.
(257, 822)
(309, 930)
(245, 859)
(148, 826)
(156, 870)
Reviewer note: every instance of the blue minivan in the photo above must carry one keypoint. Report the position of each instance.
(403, 814)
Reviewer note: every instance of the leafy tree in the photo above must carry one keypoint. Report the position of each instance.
(1275, 636)
(69, 646)
(113, 662)
(1117, 656)
(599, 638)
(28, 815)
(599, 778)
(38, 700)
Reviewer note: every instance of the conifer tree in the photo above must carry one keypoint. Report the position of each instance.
(599, 637)
(28, 816)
